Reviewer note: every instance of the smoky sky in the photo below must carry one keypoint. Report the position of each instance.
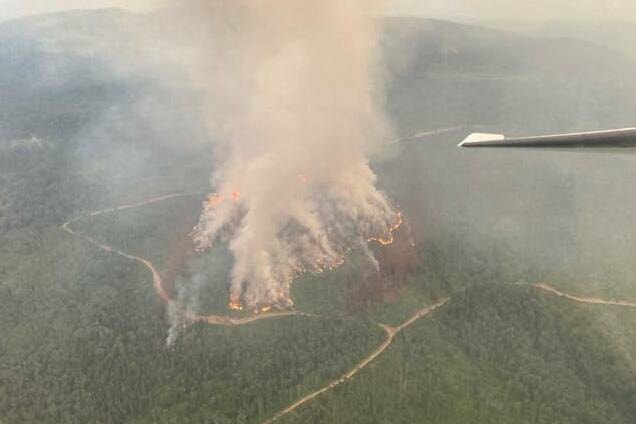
(477, 10)
(17, 8)
(466, 10)
(297, 109)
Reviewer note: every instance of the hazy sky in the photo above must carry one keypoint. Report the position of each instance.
(15, 8)
(466, 10)
(515, 10)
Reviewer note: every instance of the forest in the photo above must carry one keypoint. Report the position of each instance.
(83, 331)
(497, 354)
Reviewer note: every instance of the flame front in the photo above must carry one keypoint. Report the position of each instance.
(291, 102)
(390, 236)
(235, 304)
(308, 252)
(213, 201)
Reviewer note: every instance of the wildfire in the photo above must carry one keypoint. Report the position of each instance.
(216, 199)
(213, 201)
(280, 298)
(392, 229)
(235, 304)
(322, 267)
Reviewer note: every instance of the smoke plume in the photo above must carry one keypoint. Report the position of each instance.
(292, 91)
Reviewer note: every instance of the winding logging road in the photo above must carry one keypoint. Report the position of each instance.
(391, 332)
(156, 276)
(585, 299)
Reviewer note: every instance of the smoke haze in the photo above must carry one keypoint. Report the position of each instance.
(292, 95)
(476, 10)
(271, 89)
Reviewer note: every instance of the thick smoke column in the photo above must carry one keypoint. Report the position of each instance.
(291, 90)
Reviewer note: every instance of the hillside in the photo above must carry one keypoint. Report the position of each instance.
(495, 354)
(85, 127)
(447, 74)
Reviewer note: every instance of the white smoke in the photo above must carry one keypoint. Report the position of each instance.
(186, 305)
(293, 93)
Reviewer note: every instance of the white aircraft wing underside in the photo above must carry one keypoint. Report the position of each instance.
(622, 140)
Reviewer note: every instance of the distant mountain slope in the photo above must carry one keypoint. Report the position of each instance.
(54, 74)
(459, 74)
(619, 36)
(74, 81)
(495, 354)
(83, 335)
(565, 215)
(74, 78)
(59, 71)
(440, 70)
(115, 127)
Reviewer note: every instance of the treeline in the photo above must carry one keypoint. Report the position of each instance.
(441, 266)
(494, 354)
(38, 185)
(83, 340)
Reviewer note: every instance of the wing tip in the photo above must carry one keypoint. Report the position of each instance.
(476, 138)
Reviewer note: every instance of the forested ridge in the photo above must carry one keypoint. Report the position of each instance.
(496, 354)
(83, 332)
(100, 354)
(508, 352)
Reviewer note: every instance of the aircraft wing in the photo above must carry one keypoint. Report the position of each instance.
(623, 140)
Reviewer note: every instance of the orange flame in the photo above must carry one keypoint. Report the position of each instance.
(216, 199)
(213, 201)
(392, 229)
(235, 304)
(279, 297)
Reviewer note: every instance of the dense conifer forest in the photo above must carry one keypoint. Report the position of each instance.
(83, 331)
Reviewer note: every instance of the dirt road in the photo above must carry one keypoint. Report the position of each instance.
(156, 276)
(391, 332)
(585, 299)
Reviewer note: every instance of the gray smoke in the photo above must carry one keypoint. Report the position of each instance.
(293, 95)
